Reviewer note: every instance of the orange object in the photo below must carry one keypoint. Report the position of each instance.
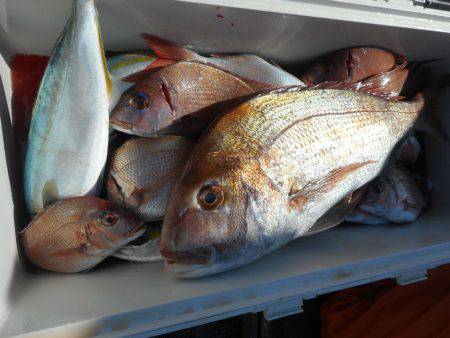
(385, 309)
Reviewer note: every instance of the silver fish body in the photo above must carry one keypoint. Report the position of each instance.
(267, 171)
(68, 138)
(393, 197)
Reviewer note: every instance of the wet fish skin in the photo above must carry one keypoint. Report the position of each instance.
(143, 172)
(254, 179)
(349, 65)
(68, 138)
(388, 84)
(392, 197)
(76, 234)
(167, 95)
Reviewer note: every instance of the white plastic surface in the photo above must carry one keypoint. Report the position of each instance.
(318, 26)
(131, 298)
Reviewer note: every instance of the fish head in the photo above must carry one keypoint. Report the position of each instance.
(393, 196)
(145, 108)
(211, 223)
(110, 227)
(380, 197)
(349, 65)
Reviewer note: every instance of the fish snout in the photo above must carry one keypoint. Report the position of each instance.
(120, 125)
(197, 256)
(130, 225)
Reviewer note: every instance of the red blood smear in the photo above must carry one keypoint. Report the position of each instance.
(26, 75)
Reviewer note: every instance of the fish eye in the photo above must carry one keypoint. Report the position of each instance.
(377, 189)
(108, 219)
(140, 101)
(210, 197)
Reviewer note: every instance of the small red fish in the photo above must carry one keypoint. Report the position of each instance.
(165, 96)
(160, 99)
(76, 234)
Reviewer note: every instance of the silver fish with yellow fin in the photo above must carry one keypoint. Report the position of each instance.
(68, 138)
(267, 171)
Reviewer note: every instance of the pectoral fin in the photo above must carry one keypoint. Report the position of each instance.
(299, 196)
(145, 194)
(338, 213)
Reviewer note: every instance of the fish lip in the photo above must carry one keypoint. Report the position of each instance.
(121, 125)
(180, 267)
(136, 232)
(129, 128)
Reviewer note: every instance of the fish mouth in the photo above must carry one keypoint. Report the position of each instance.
(179, 262)
(136, 232)
(129, 128)
(122, 126)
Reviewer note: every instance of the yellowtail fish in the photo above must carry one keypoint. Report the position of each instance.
(68, 138)
(143, 172)
(267, 171)
(76, 234)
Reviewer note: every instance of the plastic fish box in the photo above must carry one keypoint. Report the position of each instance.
(140, 299)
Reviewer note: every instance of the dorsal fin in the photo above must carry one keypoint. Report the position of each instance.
(166, 50)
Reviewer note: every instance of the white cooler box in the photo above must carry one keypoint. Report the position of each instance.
(140, 299)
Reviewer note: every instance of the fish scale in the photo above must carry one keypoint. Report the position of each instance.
(143, 173)
(189, 97)
(281, 161)
(186, 89)
(312, 151)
